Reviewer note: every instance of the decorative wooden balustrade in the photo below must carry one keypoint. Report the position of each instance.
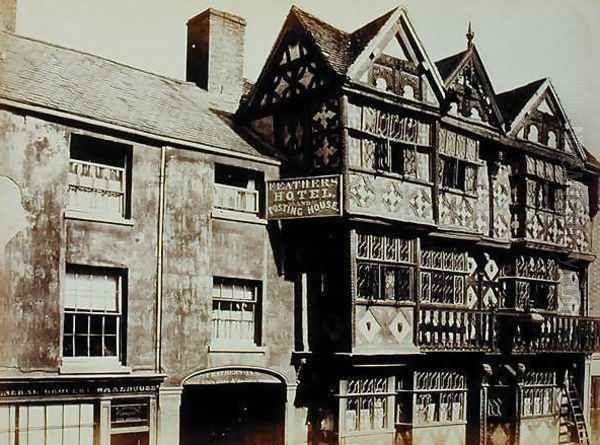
(558, 333)
(455, 329)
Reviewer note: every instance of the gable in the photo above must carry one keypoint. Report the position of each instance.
(543, 121)
(294, 67)
(394, 61)
(470, 92)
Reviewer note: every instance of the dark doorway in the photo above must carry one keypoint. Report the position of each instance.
(233, 414)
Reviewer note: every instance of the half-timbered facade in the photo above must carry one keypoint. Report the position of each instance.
(445, 300)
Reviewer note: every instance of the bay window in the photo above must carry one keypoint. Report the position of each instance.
(385, 268)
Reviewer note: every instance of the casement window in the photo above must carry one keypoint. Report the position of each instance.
(99, 177)
(431, 398)
(410, 161)
(458, 163)
(130, 421)
(237, 189)
(538, 394)
(531, 282)
(93, 313)
(235, 312)
(366, 403)
(443, 276)
(47, 424)
(458, 174)
(385, 268)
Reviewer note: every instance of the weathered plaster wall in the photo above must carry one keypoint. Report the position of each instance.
(186, 268)
(128, 247)
(33, 157)
(198, 247)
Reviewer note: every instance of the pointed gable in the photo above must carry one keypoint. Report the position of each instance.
(470, 93)
(534, 113)
(388, 55)
(307, 54)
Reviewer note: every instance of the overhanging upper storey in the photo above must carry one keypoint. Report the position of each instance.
(533, 113)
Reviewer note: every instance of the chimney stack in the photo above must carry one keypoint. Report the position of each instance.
(8, 15)
(215, 56)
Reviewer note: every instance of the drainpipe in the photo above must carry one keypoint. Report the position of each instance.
(159, 257)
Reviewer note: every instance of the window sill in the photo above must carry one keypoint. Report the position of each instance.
(92, 365)
(233, 215)
(85, 216)
(460, 192)
(392, 175)
(237, 349)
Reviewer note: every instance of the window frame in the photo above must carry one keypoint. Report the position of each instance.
(256, 322)
(368, 399)
(408, 390)
(225, 192)
(91, 152)
(384, 253)
(119, 314)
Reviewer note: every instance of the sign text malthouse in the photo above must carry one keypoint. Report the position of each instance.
(304, 197)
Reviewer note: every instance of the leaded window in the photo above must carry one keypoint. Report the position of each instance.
(92, 312)
(439, 398)
(458, 164)
(366, 404)
(444, 276)
(531, 282)
(388, 142)
(235, 311)
(385, 268)
(538, 394)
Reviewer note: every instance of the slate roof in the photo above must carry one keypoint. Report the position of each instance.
(49, 76)
(511, 102)
(333, 42)
(447, 65)
(340, 48)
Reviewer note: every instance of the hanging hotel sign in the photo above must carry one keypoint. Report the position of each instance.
(304, 197)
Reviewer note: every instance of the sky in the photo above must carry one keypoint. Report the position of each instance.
(519, 40)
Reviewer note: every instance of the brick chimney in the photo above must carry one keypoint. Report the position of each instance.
(8, 15)
(215, 56)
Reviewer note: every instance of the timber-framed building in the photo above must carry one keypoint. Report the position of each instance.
(365, 246)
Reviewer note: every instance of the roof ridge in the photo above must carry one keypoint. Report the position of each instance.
(96, 56)
(451, 56)
(370, 23)
(525, 85)
(299, 12)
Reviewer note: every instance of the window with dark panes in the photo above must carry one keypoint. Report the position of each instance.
(93, 312)
(385, 268)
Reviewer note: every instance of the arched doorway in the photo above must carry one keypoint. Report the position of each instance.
(233, 406)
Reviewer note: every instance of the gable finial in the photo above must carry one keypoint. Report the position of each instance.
(470, 35)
